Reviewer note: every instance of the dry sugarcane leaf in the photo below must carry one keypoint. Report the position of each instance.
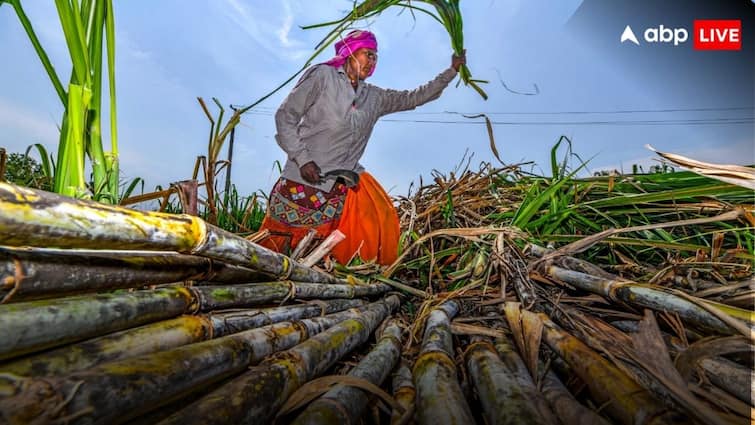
(687, 361)
(467, 329)
(533, 332)
(652, 355)
(732, 174)
(489, 126)
(527, 331)
(319, 386)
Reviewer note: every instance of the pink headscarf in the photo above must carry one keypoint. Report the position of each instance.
(353, 41)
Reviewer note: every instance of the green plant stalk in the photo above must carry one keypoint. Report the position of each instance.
(82, 24)
(94, 149)
(69, 179)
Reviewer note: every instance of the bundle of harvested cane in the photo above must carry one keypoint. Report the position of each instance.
(111, 315)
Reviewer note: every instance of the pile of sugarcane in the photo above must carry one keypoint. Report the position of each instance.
(110, 315)
(500, 309)
(649, 319)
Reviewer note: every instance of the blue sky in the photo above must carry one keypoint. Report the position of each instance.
(169, 52)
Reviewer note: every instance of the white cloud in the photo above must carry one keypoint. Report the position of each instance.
(261, 29)
(285, 28)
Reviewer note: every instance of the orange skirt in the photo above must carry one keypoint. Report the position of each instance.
(368, 220)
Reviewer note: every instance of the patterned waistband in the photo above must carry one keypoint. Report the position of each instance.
(297, 204)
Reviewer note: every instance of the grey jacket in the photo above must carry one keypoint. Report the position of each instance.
(324, 120)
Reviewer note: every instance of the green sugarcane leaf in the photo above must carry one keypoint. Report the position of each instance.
(70, 20)
(47, 168)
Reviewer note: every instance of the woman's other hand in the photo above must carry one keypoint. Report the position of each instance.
(310, 172)
(458, 60)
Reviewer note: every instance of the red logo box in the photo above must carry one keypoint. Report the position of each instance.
(718, 34)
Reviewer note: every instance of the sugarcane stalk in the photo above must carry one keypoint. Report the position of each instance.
(439, 396)
(735, 379)
(43, 324)
(231, 296)
(568, 410)
(30, 217)
(625, 401)
(403, 393)
(34, 273)
(256, 396)
(35, 325)
(504, 386)
(236, 321)
(346, 404)
(162, 336)
(118, 391)
(650, 296)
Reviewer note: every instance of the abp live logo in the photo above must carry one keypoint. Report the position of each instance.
(713, 34)
(718, 34)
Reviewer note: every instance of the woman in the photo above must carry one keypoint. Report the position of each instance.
(323, 125)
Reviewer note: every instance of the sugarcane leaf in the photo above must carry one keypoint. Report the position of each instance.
(319, 386)
(132, 186)
(584, 243)
(652, 355)
(47, 168)
(531, 207)
(732, 174)
(688, 360)
(527, 333)
(491, 137)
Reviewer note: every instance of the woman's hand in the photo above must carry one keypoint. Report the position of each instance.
(310, 172)
(458, 61)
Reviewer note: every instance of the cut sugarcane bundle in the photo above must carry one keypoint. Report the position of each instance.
(114, 392)
(256, 396)
(36, 218)
(162, 336)
(32, 273)
(48, 323)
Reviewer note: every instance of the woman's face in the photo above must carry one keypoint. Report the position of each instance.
(363, 61)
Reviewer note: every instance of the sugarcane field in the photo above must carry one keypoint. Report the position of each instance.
(541, 249)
